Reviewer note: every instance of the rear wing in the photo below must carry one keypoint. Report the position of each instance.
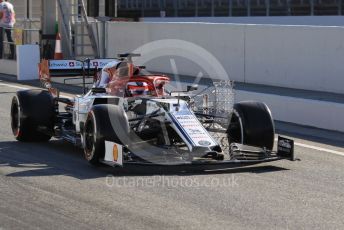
(65, 68)
(69, 68)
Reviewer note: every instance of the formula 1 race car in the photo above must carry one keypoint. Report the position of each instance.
(135, 120)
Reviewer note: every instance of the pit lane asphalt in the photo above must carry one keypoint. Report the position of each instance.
(51, 186)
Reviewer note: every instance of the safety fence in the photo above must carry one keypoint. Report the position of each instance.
(214, 8)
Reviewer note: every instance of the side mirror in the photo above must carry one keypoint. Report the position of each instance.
(191, 88)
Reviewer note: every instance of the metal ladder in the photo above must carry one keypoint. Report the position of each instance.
(77, 30)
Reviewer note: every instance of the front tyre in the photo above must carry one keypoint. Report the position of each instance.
(104, 123)
(252, 124)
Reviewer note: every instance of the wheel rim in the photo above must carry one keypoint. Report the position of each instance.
(89, 139)
(15, 118)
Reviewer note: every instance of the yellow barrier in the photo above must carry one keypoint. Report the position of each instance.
(18, 36)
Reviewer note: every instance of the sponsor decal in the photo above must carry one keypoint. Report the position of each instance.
(64, 64)
(74, 64)
(100, 63)
(115, 153)
(204, 143)
(184, 117)
(193, 128)
(52, 65)
(284, 144)
(285, 147)
(195, 131)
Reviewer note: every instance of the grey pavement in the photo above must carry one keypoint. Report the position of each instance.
(51, 186)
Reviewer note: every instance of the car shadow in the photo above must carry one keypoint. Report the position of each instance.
(145, 170)
(60, 158)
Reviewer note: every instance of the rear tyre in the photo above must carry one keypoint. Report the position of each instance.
(252, 124)
(104, 123)
(32, 116)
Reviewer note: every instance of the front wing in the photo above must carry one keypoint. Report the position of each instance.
(240, 155)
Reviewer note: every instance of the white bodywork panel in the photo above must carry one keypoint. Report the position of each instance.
(110, 148)
(186, 124)
(83, 106)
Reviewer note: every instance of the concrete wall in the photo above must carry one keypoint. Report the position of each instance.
(276, 20)
(302, 57)
(295, 57)
(314, 113)
(124, 37)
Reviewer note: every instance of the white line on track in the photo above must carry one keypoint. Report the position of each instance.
(13, 86)
(319, 149)
(297, 144)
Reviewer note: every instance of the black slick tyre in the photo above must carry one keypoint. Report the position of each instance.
(104, 123)
(32, 115)
(252, 124)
